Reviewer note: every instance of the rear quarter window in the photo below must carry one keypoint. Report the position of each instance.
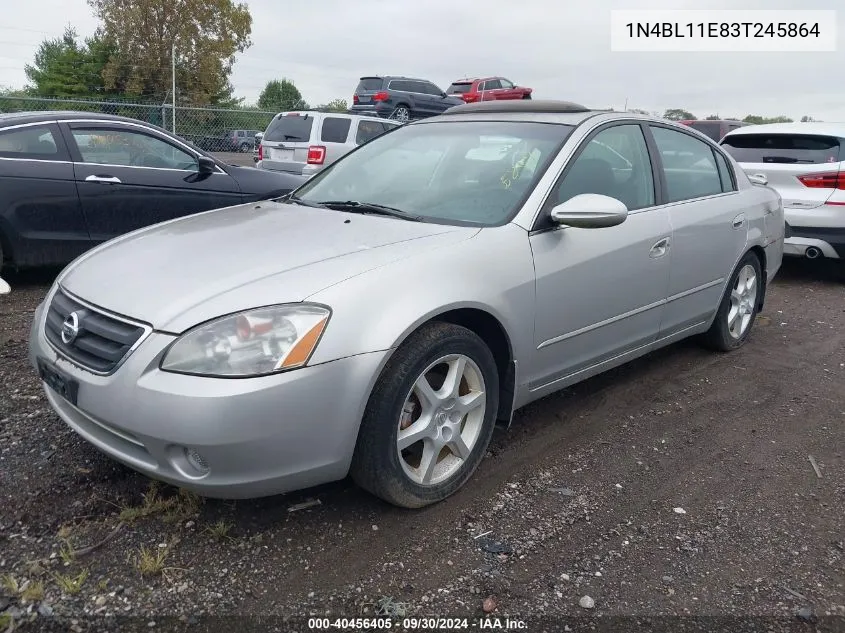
(807, 149)
(335, 129)
(290, 128)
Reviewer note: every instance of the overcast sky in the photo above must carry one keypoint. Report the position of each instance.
(563, 53)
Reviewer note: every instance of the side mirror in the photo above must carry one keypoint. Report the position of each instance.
(206, 165)
(443, 95)
(590, 211)
(758, 179)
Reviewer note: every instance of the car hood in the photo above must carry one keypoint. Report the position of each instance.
(186, 271)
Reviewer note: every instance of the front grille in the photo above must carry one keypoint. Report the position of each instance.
(102, 340)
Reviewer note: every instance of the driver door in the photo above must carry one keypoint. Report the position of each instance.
(129, 177)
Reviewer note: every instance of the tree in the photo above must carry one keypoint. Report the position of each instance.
(206, 34)
(281, 96)
(712, 117)
(64, 68)
(639, 111)
(808, 119)
(678, 114)
(759, 120)
(336, 105)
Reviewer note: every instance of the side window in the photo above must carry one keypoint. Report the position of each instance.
(688, 164)
(335, 129)
(614, 163)
(725, 173)
(506, 84)
(33, 142)
(241, 133)
(368, 130)
(492, 84)
(109, 146)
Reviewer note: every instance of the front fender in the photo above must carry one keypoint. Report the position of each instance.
(377, 310)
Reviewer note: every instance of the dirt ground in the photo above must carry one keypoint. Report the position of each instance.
(681, 485)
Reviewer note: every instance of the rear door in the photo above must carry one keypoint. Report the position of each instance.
(287, 140)
(801, 167)
(709, 227)
(40, 214)
(129, 176)
(335, 133)
(367, 130)
(490, 89)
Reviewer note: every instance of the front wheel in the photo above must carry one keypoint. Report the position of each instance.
(526, 96)
(429, 419)
(738, 308)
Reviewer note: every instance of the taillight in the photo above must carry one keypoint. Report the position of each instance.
(830, 180)
(260, 152)
(381, 96)
(316, 155)
(354, 98)
(470, 97)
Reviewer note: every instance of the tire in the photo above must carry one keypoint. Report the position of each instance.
(377, 465)
(402, 113)
(245, 147)
(730, 332)
(527, 96)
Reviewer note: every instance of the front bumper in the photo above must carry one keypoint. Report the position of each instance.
(258, 436)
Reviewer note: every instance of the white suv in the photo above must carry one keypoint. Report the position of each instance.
(305, 142)
(804, 163)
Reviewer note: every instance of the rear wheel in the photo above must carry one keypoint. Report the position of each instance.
(246, 147)
(402, 113)
(429, 419)
(738, 309)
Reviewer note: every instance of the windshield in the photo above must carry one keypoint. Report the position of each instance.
(467, 172)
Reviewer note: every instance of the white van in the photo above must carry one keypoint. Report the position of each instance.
(304, 142)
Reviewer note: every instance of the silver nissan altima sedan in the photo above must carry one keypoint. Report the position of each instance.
(381, 319)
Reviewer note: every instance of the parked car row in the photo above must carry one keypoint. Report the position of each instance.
(409, 98)
(508, 257)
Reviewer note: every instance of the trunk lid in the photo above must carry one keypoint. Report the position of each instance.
(287, 139)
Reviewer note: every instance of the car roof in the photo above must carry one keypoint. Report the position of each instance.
(342, 115)
(810, 127)
(545, 111)
(15, 118)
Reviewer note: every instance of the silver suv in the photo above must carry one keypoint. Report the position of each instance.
(305, 142)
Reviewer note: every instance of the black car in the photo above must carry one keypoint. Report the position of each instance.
(71, 180)
(400, 98)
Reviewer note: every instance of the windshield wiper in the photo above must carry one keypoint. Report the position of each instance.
(353, 206)
(290, 198)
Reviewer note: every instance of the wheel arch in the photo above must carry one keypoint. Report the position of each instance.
(491, 330)
(760, 252)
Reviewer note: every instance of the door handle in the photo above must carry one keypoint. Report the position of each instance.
(107, 179)
(739, 221)
(659, 249)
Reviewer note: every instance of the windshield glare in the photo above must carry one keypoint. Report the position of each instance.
(468, 172)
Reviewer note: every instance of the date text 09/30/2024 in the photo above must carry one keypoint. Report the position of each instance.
(723, 29)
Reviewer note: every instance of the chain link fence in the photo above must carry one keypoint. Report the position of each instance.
(211, 129)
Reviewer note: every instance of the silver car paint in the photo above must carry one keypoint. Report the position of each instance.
(568, 313)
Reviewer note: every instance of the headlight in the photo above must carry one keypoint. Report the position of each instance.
(252, 343)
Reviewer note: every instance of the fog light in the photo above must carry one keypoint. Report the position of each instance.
(197, 461)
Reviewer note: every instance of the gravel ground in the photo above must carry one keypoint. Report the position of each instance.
(679, 485)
